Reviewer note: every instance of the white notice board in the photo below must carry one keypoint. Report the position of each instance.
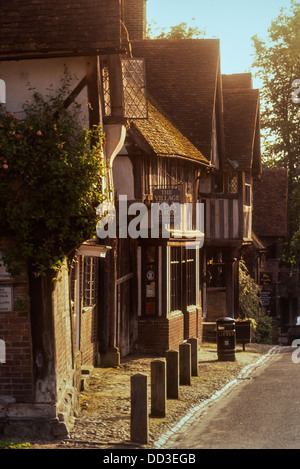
(6, 298)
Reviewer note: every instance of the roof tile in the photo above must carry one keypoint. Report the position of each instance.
(182, 76)
(28, 26)
(270, 203)
(164, 139)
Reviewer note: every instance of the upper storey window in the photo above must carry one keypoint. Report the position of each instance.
(124, 88)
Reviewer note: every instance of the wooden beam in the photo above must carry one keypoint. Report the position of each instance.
(93, 84)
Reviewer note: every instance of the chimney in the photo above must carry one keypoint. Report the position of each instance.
(135, 18)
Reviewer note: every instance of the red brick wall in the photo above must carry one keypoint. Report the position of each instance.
(15, 331)
(65, 348)
(135, 18)
(87, 337)
(158, 335)
(62, 321)
(192, 323)
(216, 303)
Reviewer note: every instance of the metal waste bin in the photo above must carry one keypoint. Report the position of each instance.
(226, 339)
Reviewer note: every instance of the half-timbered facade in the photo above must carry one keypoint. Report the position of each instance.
(227, 195)
(164, 169)
(72, 322)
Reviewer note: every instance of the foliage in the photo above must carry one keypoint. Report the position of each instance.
(250, 307)
(13, 445)
(277, 64)
(249, 296)
(263, 330)
(50, 179)
(179, 31)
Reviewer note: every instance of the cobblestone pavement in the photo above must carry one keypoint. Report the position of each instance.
(104, 418)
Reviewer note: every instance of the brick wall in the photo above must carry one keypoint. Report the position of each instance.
(158, 335)
(192, 323)
(87, 337)
(216, 303)
(135, 18)
(16, 374)
(67, 397)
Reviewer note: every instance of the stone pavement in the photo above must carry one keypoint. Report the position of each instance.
(104, 419)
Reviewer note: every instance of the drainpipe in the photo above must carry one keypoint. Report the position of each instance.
(109, 353)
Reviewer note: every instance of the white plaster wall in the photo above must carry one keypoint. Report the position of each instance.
(41, 74)
(123, 177)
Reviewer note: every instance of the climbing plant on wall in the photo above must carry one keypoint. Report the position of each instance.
(51, 169)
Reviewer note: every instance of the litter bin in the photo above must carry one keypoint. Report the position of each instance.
(226, 339)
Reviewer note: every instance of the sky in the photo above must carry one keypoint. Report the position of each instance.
(234, 22)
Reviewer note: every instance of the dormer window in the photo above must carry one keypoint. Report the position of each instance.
(124, 88)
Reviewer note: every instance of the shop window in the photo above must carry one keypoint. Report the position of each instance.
(182, 278)
(175, 279)
(190, 276)
(150, 280)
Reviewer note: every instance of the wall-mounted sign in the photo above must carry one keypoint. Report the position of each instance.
(4, 274)
(266, 278)
(150, 275)
(168, 196)
(6, 298)
(150, 291)
(266, 298)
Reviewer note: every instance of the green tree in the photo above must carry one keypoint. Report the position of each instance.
(179, 31)
(277, 65)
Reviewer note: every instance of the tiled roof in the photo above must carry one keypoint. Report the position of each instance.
(182, 77)
(237, 80)
(163, 138)
(270, 203)
(31, 26)
(241, 122)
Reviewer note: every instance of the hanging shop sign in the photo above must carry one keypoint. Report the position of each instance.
(169, 202)
(266, 278)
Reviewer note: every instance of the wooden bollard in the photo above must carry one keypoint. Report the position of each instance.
(172, 358)
(185, 369)
(158, 388)
(194, 355)
(139, 430)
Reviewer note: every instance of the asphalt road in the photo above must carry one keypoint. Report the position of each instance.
(262, 412)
